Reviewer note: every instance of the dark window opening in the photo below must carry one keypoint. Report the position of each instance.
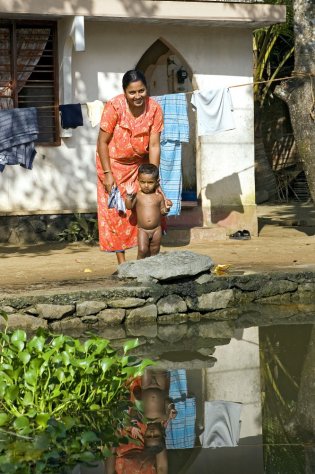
(28, 73)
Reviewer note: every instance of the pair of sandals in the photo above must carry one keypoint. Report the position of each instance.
(241, 235)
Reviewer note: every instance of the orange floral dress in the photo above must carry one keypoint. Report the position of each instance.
(128, 149)
(131, 457)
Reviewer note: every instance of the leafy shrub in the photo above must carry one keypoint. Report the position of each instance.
(80, 229)
(62, 401)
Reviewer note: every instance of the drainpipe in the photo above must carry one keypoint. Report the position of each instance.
(73, 38)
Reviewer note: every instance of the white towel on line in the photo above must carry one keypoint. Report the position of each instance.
(214, 111)
(94, 112)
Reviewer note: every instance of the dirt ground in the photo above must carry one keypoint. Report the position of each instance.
(286, 242)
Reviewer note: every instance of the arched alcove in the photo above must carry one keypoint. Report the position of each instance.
(160, 64)
(162, 59)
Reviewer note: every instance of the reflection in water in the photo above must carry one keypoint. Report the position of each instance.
(243, 405)
(288, 389)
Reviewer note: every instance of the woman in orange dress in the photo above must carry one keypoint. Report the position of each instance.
(129, 136)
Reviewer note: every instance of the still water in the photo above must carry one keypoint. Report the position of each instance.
(244, 398)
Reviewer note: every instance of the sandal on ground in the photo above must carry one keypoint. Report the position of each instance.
(240, 235)
(246, 234)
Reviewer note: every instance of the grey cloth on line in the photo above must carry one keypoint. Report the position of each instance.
(18, 130)
(214, 111)
(221, 424)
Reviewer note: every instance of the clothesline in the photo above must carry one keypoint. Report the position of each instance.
(227, 87)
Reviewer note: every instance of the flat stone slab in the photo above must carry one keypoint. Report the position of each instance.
(166, 266)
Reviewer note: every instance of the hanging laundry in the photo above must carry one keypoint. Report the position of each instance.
(71, 115)
(171, 174)
(214, 111)
(18, 131)
(180, 431)
(94, 111)
(175, 132)
(221, 424)
(176, 124)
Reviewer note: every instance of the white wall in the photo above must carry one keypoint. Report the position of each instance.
(63, 178)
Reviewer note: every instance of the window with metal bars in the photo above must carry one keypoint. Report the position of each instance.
(29, 73)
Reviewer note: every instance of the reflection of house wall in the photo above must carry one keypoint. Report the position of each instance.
(235, 377)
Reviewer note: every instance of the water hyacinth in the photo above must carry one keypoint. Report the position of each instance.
(62, 401)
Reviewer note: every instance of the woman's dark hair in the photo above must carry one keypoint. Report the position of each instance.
(149, 168)
(133, 76)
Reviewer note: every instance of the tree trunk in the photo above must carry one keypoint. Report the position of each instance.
(299, 92)
(265, 181)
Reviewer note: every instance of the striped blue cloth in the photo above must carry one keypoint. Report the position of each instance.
(175, 132)
(18, 130)
(176, 124)
(171, 174)
(180, 432)
(178, 385)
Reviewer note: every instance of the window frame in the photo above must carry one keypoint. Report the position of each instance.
(13, 25)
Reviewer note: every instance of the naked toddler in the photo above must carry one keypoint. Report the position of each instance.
(150, 206)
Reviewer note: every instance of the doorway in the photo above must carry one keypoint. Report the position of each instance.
(167, 72)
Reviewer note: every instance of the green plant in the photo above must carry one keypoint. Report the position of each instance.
(273, 48)
(80, 229)
(62, 401)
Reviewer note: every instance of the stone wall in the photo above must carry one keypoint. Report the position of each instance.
(169, 310)
(178, 323)
(33, 229)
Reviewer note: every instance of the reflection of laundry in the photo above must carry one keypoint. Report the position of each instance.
(180, 432)
(94, 111)
(214, 111)
(71, 115)
(115, 201)
(18, 130)
(178, 385)
(221, 424)
(175, 131)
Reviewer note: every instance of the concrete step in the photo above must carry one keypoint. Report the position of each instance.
(186, 235)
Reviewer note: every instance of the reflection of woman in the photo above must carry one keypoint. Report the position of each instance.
(146, 455)
(145, 452)
(129, 136)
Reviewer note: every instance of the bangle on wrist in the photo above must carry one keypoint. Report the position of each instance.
(129, 196)
(107, 171)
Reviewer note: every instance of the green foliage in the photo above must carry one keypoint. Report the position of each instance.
(62, 401)
(273, 50)
(80, 229)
